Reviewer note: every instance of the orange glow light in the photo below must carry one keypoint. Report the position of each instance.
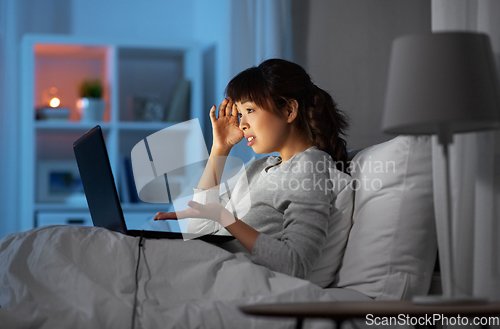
(54, 102)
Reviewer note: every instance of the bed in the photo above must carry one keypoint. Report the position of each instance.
(81, 277)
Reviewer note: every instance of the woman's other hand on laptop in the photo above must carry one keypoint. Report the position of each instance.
(213, 211)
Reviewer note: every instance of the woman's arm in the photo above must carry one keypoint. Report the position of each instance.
(226, 133)
(217, 213)
(244, 234)
(304, 206)
(213, 171)
(240, 230)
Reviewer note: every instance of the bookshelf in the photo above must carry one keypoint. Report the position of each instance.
(135, 76)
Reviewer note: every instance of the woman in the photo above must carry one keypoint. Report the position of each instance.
(276, 108)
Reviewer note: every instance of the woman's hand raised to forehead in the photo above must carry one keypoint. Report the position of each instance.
(226, 128)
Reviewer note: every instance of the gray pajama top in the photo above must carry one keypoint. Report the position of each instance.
(290, 205)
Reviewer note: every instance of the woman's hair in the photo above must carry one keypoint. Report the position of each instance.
(275, 82)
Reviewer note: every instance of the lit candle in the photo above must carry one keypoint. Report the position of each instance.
(54, 101)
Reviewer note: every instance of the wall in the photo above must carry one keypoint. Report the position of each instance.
(348, 50)
(17, 18)
(6, 206)
(152, 19)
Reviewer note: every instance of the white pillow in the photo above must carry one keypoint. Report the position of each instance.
(328, 264)
(392, 245)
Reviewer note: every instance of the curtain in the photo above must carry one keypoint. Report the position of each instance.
(475, 173)
(261, 29)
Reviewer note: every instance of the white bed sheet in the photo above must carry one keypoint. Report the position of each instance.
(82, 277)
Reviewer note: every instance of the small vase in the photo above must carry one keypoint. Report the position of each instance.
(91, 109)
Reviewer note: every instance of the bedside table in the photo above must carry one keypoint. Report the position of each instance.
(381, 312)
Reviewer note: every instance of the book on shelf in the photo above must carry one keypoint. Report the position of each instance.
(128, 192)
(178, 109)
(124, 190)
(53, 113)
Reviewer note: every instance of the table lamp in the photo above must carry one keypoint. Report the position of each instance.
(440, 84)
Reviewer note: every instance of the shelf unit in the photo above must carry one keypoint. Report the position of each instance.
(129, 71)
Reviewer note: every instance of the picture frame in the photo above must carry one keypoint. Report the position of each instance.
(147, 108)
(58, 181)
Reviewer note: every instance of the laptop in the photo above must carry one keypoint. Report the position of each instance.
(102, 197)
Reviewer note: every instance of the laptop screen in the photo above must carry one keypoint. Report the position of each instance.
(98, 182)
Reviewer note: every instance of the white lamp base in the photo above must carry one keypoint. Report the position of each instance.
(443, 300)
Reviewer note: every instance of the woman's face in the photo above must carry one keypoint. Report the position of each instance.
(264, 131)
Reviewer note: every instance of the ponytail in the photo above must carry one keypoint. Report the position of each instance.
(326, 125)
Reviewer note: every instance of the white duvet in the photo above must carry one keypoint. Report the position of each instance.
(84, 277)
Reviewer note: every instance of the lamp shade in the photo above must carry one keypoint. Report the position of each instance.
(438, 80)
